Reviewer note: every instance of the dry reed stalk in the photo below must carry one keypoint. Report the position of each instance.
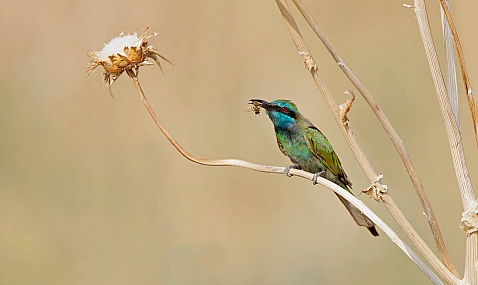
(469, 201)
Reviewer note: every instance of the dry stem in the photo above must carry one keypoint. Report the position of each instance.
(454, 137)
(274, 169)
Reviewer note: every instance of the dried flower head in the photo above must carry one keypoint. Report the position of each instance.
(124, 53)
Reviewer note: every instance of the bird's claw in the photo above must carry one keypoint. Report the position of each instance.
(316, 175)
(287, 170)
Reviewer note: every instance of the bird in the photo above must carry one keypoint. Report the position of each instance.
(309, 150)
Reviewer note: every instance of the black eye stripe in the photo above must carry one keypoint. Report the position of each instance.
(285, 111)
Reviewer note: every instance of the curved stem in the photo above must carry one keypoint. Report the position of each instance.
(274, 169)
(192, 157)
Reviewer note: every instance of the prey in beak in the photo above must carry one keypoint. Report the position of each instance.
(256, 106)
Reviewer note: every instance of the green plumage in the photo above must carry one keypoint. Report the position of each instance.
(309, 150)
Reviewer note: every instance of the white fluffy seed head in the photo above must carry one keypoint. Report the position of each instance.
(117, 45)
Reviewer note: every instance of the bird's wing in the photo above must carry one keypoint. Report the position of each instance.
(320, 147)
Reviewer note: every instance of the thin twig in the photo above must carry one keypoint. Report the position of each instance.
(299, 173)
(398, 143)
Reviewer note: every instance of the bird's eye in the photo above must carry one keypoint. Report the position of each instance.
(283, 109)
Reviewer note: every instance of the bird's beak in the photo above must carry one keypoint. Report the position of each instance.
(261, 103)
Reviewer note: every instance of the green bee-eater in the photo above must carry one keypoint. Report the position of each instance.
(309, 149)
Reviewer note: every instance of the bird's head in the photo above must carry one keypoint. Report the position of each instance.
(283, 113)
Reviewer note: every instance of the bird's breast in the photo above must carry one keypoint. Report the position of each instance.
(293, 144)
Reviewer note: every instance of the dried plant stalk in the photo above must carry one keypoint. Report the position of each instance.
(456, 146)
(299, 173)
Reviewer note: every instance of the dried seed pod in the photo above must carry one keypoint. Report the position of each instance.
(124, 53)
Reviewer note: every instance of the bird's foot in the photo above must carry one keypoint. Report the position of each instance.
(288, 168)
(316, 175)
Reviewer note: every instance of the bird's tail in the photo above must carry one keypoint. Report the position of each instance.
(359, 217)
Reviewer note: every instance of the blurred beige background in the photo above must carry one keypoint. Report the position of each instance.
(92, 193)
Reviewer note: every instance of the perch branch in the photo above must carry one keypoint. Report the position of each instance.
(299, 173)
